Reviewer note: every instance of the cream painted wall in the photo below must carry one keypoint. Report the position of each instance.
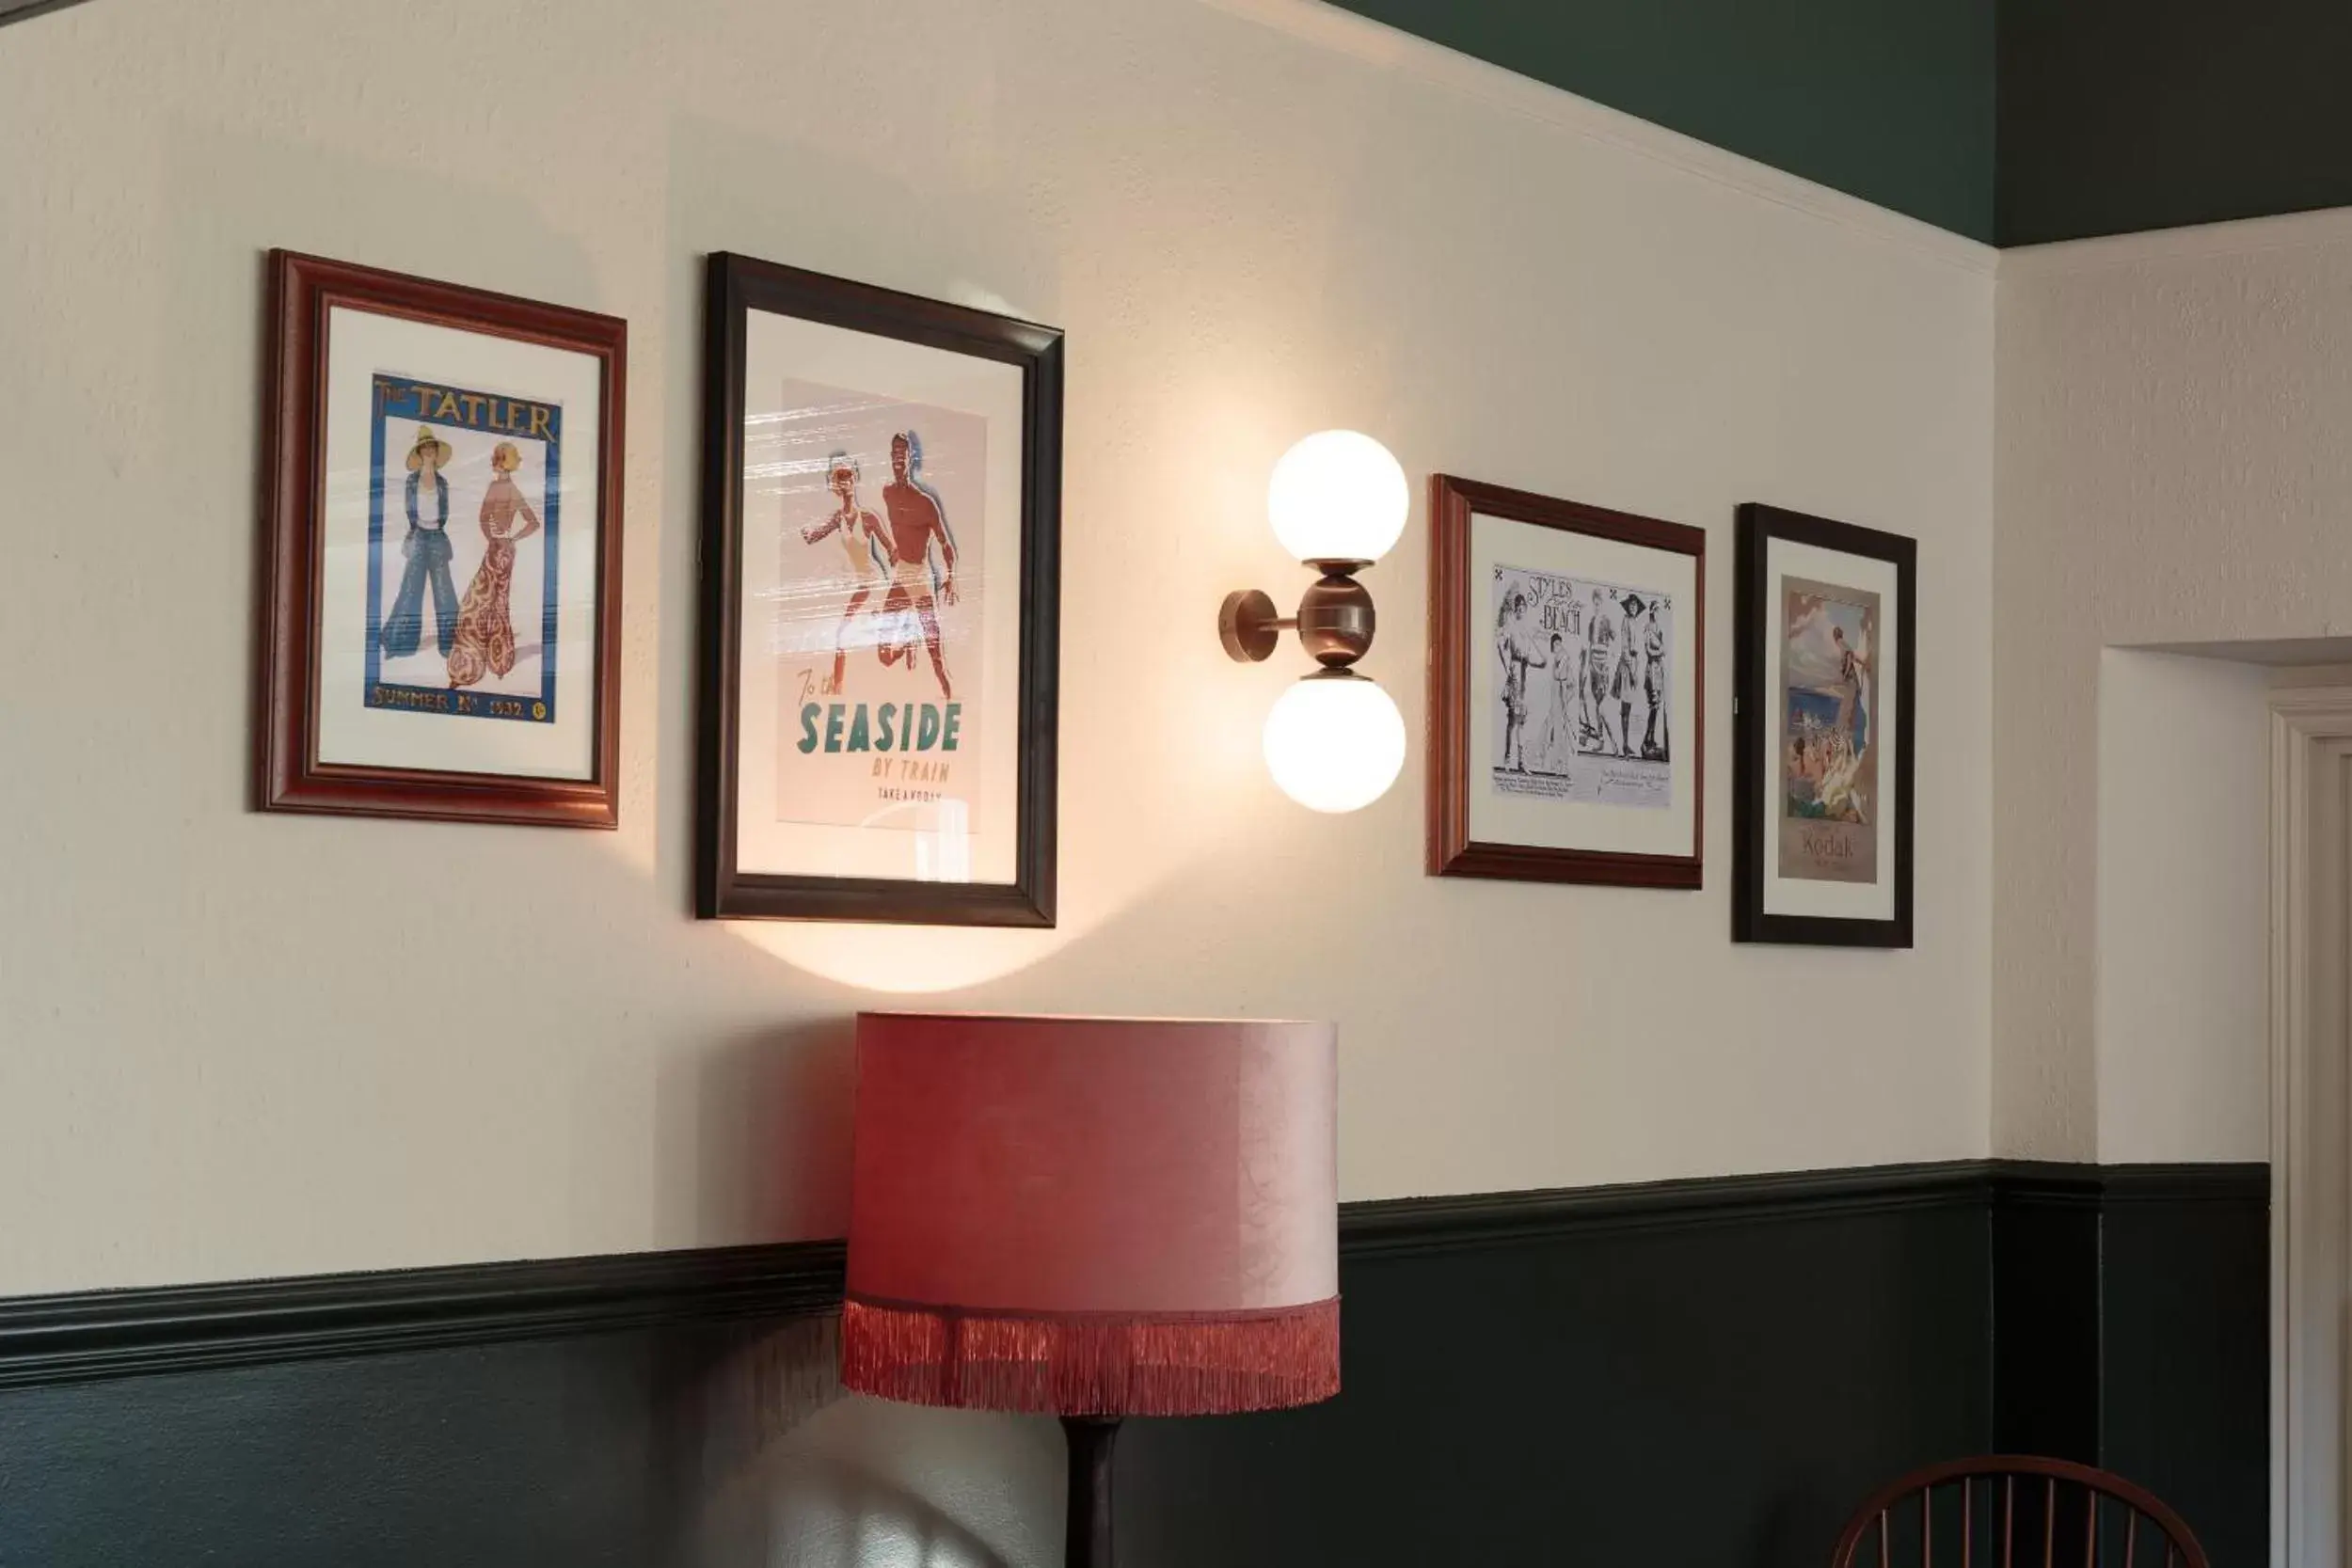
(2184, 909)
(233, 1044)
(2170, 468)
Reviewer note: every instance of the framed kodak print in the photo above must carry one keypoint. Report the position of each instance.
(1567, 681)
(444, 552)
(882, 521)
(1823, 817)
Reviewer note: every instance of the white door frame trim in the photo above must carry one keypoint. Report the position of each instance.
(2311, 761)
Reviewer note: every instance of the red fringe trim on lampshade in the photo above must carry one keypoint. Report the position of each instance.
(1092, 1364)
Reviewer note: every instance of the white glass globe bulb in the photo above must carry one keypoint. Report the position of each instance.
(1334, 742)
(1338, 496)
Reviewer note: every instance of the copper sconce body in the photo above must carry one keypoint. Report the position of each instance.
(1335, 619)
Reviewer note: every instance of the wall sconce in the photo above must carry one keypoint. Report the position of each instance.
(1335, 741)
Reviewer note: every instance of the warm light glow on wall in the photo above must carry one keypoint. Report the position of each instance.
(874, 958)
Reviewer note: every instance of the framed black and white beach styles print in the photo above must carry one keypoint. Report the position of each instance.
(1568, 682)
(1823, 821)
(880, 547)
(444, 552)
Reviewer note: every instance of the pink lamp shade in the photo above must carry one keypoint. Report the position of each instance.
(1093, 1216)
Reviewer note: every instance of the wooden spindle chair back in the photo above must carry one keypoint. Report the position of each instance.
(2015, 1510)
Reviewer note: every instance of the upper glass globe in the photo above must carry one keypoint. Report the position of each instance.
(1338, 494)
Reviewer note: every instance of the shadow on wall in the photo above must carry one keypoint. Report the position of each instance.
(817, 1511)
(770, 1140)
(791, 1473)
(765, 1463)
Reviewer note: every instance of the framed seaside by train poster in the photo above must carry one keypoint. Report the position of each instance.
(1822, 825)
(881, 504)
(1568, 682)
(444, 552)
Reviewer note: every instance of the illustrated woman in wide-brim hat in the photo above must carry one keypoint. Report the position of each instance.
(429, 449)
(427, 550)
(1626, 683)
(485, 626)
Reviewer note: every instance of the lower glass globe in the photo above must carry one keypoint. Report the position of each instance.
(1334, 742)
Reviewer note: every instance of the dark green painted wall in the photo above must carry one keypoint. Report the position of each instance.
(2124, 115)
(1889, 100)
(2016, 121)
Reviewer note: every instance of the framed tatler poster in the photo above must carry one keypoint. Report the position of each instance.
(1822, 823)
(1567, 681)
(881, 589)
(444, 552)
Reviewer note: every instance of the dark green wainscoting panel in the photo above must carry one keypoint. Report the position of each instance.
(2184, 1367)
(1701, 1373)
(1887, 100)
(2124, 115)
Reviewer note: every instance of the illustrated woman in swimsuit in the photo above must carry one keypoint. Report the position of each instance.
(864, 551)
(1514, 644)
(1655, 742)
(918, 526)
(1600, 635)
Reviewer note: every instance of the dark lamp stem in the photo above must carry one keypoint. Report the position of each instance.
(1089, 1543)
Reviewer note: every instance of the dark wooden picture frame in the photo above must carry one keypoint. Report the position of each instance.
(289, 776)
(1756, 743)
(1452, 623)
(737, 285)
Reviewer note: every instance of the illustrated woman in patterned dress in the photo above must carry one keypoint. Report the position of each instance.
(485, 628)
(425, 549)
(1854, 690)
(1558, 748)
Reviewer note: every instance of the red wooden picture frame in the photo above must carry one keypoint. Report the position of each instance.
(288, 774)
(1451, 627)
